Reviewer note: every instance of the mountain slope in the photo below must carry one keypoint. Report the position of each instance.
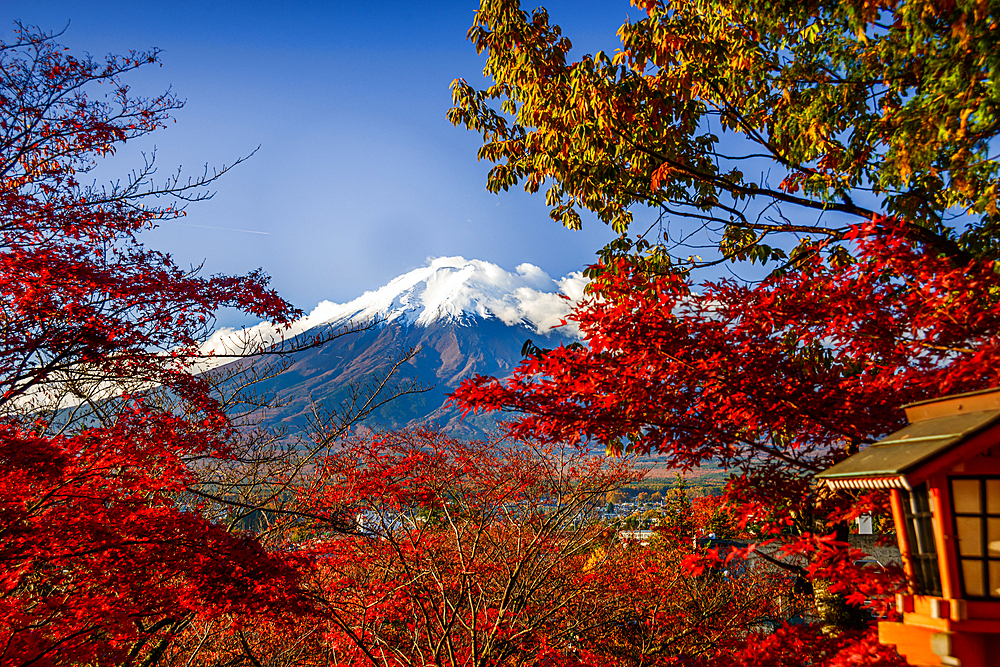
(466, 317)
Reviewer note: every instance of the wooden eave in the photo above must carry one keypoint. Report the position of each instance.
(913, 453)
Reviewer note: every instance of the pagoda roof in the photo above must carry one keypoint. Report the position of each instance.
(938, 428)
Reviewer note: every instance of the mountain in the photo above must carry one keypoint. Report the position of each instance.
(465, 317)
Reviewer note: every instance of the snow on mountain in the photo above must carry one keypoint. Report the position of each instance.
(454, 289)
(449, 289)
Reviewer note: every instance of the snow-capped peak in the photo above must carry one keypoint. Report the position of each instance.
(456, 289)
(451, 289)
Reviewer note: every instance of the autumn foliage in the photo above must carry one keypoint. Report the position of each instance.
(850, 147)
(83, 299)
(748, 127)
(489, 553)
(100, 563)
(779, 379)
(430, 550)
(469, 553)
(142, 523)
(100, 560)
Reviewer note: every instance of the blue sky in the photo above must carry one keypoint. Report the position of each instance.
(359, 176)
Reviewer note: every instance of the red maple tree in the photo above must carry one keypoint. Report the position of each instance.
(776, 381)
(101, 560)
(750, 129)
(426, 549)
(470, 553)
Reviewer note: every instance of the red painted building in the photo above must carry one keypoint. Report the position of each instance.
(943, 472)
